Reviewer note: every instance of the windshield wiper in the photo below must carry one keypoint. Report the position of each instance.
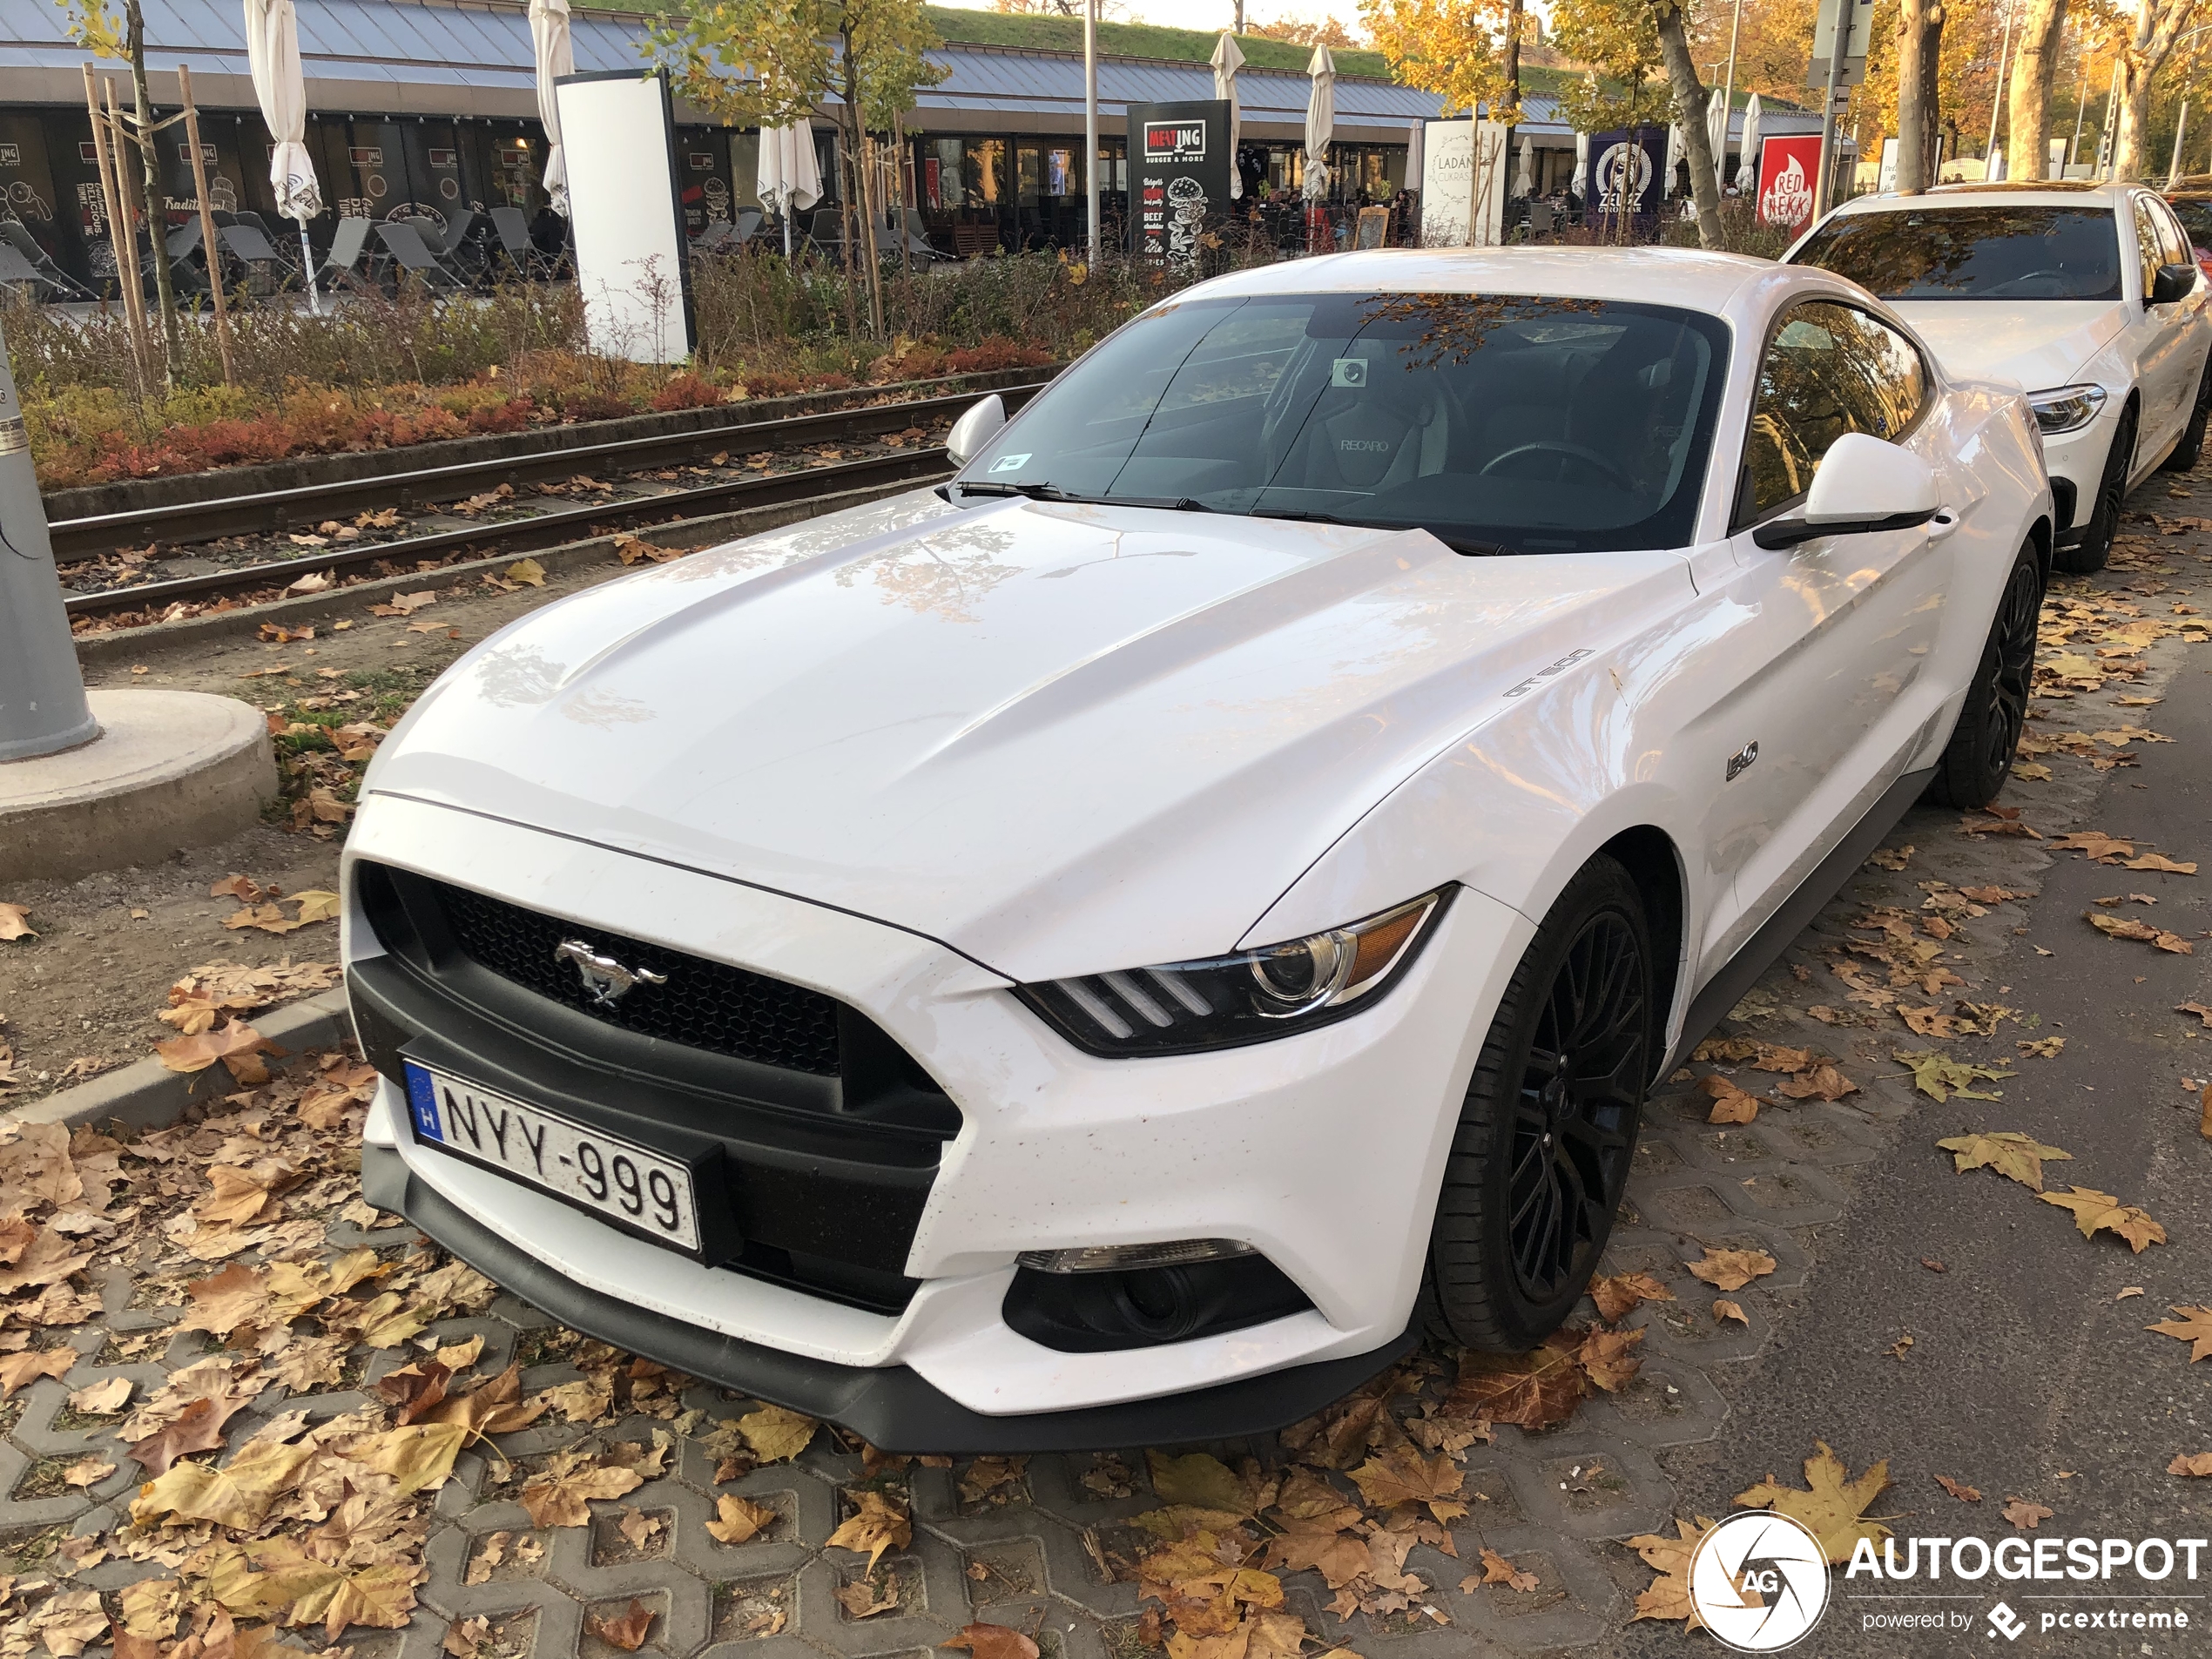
(1053, 492)
(1465, 544)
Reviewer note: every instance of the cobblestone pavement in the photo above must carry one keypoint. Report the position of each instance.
(1046, 1546)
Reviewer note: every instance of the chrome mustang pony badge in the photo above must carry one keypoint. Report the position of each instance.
(607, 980)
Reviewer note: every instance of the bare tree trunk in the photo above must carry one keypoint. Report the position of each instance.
(1690, 111)
(2151, 39)
(156, 201)
(2035, 64)
(1920, 29)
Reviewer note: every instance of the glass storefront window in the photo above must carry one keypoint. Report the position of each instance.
(1028, 166)
(983, 168)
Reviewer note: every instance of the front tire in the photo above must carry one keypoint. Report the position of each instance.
(1979, 758)
(1548, 1126)
(2087, 556)
(2191, 448)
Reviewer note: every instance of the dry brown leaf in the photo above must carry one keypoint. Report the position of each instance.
(877, 1523)
(87, 1471)
(1834, 1510)
(1606, 1359)
(239, 1494)
(739, 1519)
(2024, 1513)
(1496, 1569)
(557, 1497)
(864, 1598)
(15, 922)
(2017, 1156)
(1818, 1081)
(1402, 1476)
(994, 1641)
(198, 1428)
(627, 1630)
(2095, 1213)
(1730, 1104)
(2194, 1326)
(1618, 1296)
(1723, 1309)
(2196, 1463)
(18, 1369)
(776, 1435)
(1965, 1494)
(1668, 1595)
(235, 1043)
(1731, 1270)
(102, 1398)
(2134, 928)
(1532, 1391)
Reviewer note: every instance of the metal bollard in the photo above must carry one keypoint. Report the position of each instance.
(43, 708)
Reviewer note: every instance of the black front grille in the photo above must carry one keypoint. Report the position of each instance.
(703, 1005)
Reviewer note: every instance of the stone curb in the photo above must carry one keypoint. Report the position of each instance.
(134, 644)
(147, 1095)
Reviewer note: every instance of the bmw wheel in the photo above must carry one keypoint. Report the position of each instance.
(2089, 554)
(2187, 452)
(1979, 758)
(1548, 1126)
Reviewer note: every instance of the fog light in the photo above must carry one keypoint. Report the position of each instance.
(1111, 1259)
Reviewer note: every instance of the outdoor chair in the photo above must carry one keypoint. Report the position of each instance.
(404, 243)
(26, 247)
(350, 259)
(917, 235)
(1540, 218)
(750, 219)
(825, 231)
(463, 248)
(515, 243)
(17, 272)
(717, 238)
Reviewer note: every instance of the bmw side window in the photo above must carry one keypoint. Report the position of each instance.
(1828, 369)
(2147, 245)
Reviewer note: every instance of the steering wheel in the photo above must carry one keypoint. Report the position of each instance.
(1559, 447)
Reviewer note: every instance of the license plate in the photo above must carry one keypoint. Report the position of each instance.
(619, 1179)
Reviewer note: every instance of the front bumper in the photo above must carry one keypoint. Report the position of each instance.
(2076, 463)
(1324, 1152)
(894, 1408)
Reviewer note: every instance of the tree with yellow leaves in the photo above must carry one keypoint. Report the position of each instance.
(2152, 31)
(770, 63)
(1460, 49)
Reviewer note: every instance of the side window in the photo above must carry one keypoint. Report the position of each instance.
(1830, 369)
(2147, 243)
(2173, 242)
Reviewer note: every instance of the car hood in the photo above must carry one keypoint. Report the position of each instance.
(1061, 739)
(2036, 345)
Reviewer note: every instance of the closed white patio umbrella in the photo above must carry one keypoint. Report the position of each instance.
(1580, 185)
(1227, 60)
(1320, 122)
(788, 177)
(273, 58)
(556, 54)
(1716, 133)
(1416, 154)
(1747, 173)
(1524, 183)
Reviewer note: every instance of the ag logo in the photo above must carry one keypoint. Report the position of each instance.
(1759, 1581)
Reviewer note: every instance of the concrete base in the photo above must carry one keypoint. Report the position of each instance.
(169, 769)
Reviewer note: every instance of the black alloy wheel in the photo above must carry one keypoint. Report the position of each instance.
(2089, 554)
(1548, 1130)
(2189, 450)
(1979, 758)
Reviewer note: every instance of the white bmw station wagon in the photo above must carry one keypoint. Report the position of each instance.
(1111, 948)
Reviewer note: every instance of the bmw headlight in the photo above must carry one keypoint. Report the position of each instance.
(1252, 997)
(2066, 408)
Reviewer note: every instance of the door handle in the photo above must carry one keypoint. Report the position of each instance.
(1945, 522)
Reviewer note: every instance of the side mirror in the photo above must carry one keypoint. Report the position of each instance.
(1862, 485)
(975, 429)
(2174, 282)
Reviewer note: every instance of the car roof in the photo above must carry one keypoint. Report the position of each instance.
(2025, 192)
(1688, 278)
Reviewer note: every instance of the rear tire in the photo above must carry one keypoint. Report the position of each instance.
(1548, 1126)
(2088, 554)
(1979, 758)
(2191, 448)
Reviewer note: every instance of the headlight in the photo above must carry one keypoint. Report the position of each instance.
(1253, 996)
(2066, 408)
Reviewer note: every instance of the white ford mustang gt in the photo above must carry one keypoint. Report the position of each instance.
(2086, 294)
(1109, 949)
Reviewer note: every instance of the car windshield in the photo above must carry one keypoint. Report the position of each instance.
(1499, 423)
(1973, 252)
(2196, 220)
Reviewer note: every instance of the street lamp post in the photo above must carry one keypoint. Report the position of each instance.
(1728, 96)
(1090, 119)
